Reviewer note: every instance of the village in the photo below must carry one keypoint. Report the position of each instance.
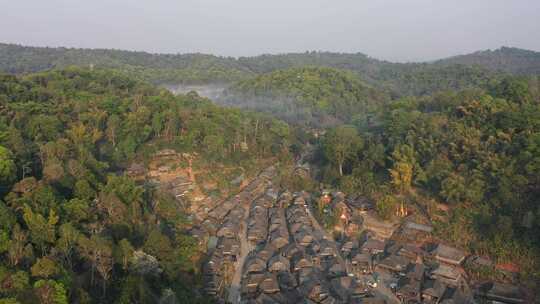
(266, 245)
(291, 259)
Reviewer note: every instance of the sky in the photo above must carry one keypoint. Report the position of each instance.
(394, 30)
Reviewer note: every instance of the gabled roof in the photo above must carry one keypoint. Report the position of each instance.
(361, 258)
(278, 263)
(269, 284)
(303, 237)
(301, 261)
(394, 263)
(327, 247)
(373, 245)
(255, 264)
(411, 251)
(447, 272)
(448, 254)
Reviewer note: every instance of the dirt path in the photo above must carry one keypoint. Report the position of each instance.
(245, 249)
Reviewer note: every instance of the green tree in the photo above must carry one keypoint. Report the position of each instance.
(341, 144)
(44, 268)
(50, 292)
(8, 169)
(386, 206)
(42, 230)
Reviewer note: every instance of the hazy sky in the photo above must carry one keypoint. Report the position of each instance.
(397, 30)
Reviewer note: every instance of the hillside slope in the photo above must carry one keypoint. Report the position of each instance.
(506, 59)
(71, 223)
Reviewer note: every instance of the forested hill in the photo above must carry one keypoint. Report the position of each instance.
(307, 95)
(75, 230)
(510, 60)
(157, 68)
(398, 78)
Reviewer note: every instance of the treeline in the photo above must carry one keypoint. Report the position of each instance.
(73, 228)
(475, 151)
(399, 79)
(506, 59)
(311, 96)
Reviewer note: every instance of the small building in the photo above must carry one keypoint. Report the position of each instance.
(251, 282)
(373, 246)
(447, 274)
(448, 255)
(411, 252)
(361, 263)
(269, 284)
(255, 265)
(394, 263)
(230, 247)
(503, 293)
(315, 290)
(327, 248)
(278, 263)
(301, 261)
(381, 229)
(303, 237)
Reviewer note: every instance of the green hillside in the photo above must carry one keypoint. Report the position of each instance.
(399, 79)
(506, 59)
(312, 95)
(71, 223)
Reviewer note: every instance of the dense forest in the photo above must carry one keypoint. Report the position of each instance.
(507, 59)
(397, 78)
(73, 227)
(468, 160)
(310, 96)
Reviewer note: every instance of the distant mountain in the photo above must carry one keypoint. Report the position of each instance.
(400, 79)
(505, 59)
(157, 68)
(307, 95)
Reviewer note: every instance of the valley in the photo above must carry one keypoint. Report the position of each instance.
(316, 177)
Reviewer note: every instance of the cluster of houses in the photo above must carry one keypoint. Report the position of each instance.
(290, 259)
(294, 261)
(223, 224)
(423, 272)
